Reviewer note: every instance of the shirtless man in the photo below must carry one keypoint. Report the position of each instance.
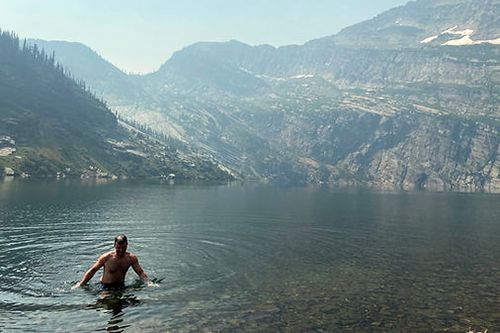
(116, 263)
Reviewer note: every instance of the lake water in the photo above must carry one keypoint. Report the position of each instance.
(249, 258)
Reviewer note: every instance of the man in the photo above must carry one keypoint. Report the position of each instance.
(116, 263)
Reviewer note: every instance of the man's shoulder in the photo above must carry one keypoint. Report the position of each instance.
(132, 256)
(106, 255)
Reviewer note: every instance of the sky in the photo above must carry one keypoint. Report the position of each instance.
(138, 36)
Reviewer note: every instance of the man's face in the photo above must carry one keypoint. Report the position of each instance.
(120, 247)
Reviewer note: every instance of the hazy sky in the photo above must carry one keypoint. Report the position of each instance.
(140, 35)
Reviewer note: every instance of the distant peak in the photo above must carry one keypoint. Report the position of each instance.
(440, 22)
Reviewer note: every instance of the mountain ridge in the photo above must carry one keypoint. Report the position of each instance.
(338, 113)
(408, 25)
(53, 125)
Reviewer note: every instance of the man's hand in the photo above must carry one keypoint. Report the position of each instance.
(76, 286)
(152, 284)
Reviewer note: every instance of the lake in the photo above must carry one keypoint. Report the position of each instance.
(239, 258)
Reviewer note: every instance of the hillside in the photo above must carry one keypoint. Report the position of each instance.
(370, 106)
(89, 66)
(53, 125)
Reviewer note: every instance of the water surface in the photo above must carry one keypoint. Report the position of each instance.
(249, 258)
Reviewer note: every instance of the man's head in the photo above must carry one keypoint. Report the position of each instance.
(121, 244)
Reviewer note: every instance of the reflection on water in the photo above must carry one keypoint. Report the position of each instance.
(249, 258)
(114, 302)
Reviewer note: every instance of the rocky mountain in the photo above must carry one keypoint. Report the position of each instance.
(456, 22)
(382, 103)
(52, 125)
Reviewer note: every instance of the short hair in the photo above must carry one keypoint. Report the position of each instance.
(121, 239)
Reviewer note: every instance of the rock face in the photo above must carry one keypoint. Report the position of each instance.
(373, 105)
(410, 152)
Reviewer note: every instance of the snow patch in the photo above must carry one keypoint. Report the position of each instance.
(302, 76)
(267, 77)
(428, 39)
(464, 40)
(451, 31)
(246, 70)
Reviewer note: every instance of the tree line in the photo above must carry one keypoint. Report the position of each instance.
(10, 44)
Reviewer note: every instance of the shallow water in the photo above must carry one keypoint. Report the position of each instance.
(249, 258)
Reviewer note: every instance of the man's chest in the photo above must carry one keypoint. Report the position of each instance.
(115, 265)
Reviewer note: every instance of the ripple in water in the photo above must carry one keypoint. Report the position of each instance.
(249, 259)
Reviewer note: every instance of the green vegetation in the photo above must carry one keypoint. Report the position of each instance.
(53, 125)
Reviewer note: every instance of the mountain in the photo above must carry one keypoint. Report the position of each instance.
(88, 66)
(372, 105)
(53, 125)
(411, 118)
(199, 66)
(427, 21)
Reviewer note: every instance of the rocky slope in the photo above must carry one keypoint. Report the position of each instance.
(373, 105)
(51, 125)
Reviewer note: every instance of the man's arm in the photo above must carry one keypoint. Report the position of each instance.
(139, 271)
(90, 273)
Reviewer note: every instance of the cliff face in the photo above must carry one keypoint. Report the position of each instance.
(413, 151)
(373, 105)
(424, 117)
